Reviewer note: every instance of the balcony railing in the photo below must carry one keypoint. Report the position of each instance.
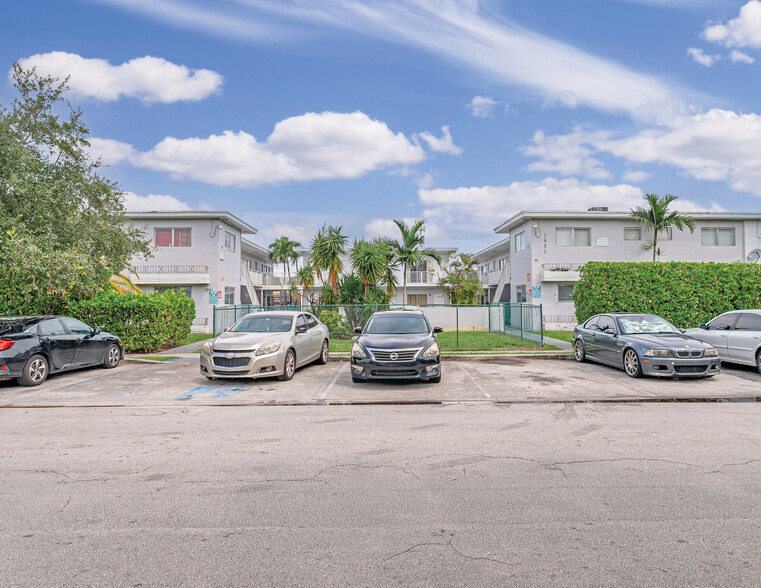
(562, 267)
(170, 269)
(418, 277)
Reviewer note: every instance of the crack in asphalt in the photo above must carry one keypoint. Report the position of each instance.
(451, 546)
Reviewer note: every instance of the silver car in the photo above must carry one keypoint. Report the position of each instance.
(264, 344)
(736, 336)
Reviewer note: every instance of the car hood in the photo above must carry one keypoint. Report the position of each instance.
(395, 341)
(239, 341)
(667, 340)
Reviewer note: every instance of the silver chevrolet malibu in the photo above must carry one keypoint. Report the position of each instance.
(736, 336)
(264, 344)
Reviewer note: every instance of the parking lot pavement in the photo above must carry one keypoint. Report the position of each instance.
(174, 383)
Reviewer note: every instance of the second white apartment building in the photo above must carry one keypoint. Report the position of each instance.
(538, 262)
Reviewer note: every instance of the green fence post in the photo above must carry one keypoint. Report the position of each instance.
(520, 308)
(457, 326)
(488, 310)
(213, 320)
(541, 327)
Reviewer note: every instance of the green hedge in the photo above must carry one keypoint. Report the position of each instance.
(686, 294)
(144, 322)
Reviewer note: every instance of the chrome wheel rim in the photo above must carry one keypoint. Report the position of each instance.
(290, 364)
(113, 356)
(325, 351)
(578, 350)
(37, 370)
(631, 363)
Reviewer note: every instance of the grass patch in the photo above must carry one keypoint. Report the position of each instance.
(158, 357)
(562, 335)
(469, 341)
(194, 338)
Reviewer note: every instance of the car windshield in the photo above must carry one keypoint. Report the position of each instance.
(263, 323)
(397, 325)
(646, 324)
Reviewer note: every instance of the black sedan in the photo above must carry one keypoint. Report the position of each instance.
(643, 344)
(31, 347)
(396, 345)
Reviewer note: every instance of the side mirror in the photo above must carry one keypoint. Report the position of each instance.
(703, 326)
(301, 328)
(96, 331)
(682, 330)
(438, 329)
(357, 330)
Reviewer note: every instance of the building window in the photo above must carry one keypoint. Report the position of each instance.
(632, 234)
(665, 234)
(229, 242)
(520, 294)
(572, 237)
(229, 295)
(520, 241)
(565, 292)
(717, 237)
(172, 237)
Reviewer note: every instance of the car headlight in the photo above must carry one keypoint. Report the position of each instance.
(357, 351)
(710, 352)
(206, 348)
(431, 351)
(657, 353)
(269, 348)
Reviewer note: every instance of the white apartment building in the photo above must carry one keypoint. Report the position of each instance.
(544, 250)
(204, 255)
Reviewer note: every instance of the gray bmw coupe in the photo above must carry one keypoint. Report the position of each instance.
(643, 344)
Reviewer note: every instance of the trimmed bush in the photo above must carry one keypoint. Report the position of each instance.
(686, 294)
(144, 322)
(339, 328)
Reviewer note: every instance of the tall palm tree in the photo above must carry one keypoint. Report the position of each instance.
(328, 249)
(283, 250)
(305, 277)
(369, 261)
(389, 272)
(657, 218)
(409, 251)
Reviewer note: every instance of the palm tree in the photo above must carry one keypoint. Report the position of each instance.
(461, 280)
(369, 261)
(388, 278)
(328, 249)
(283, 250)
(409, 251)
(657, 218)
(305, 277)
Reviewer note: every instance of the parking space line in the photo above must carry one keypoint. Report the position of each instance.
(328, 384)
(477, 384)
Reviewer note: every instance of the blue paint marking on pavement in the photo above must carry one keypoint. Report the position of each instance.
(211, 392)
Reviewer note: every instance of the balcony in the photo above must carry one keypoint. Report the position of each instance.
(264, 280)
(561, 272)
(169, 274)
(424, 278)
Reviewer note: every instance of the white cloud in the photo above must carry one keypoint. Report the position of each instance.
(443, 145)
(425, 181)
(701, 57)
(386, 227)
(110, 151)
(636, 176)
(482, 106)
(743, 31)
(567, 154)
(458, 31)
(307, 147)
(151, 79)
(162, 202)
(740, 57)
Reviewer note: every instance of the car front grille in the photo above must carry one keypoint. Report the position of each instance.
(394, 373)
(394, 355)
(689, 353)
(230, 362)
(690, 369)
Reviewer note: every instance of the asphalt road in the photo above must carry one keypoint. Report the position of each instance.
(448, 495)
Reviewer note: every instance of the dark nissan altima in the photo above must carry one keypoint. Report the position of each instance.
(396, 345)
(31, 347)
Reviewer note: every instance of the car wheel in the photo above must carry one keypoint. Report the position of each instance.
(34, 372)
(289, 366)
(324, 352)
(632, 366)
(579, 354)
(111, 360)
(758, 360)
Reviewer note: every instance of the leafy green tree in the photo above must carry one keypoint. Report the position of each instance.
(305, 277)
(657, 218)
(410, 251)
(369, 261)
(328, 249)
(389, 278)
(283, 250)
(61, 219)
(461, 280)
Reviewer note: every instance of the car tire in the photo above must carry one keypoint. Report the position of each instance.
(289, 366)
(34, 372)
(112, 357)
(579, 353)
(632, 365)
(324, 353)
(758, 360)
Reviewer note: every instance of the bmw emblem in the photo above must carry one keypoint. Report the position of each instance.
(394, 356)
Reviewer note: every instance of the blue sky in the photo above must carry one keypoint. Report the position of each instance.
(296, 113)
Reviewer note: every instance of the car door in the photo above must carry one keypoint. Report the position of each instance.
(60, 345)
(607, 340)
(744, 339)
(301, 339)
(315, 335)
(90, 349)
(717, 331)
(589, 332)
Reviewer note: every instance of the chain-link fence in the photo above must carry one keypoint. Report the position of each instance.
(478, 328)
